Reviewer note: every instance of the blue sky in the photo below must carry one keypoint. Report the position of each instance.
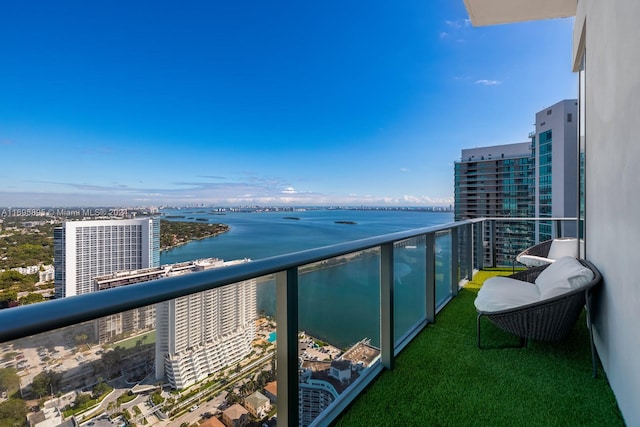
(114, 103)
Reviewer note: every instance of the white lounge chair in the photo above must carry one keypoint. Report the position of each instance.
(541, 303)
(548, 251)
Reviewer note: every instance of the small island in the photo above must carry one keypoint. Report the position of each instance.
(345, 222)
(176, 233)
(295, 218)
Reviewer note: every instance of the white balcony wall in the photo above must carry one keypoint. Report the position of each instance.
(611, 36)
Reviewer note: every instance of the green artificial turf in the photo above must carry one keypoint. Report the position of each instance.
(443, 379)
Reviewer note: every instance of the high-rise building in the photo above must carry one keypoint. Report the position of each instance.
(202, 333)
(121, 325)
(84, 250)
(314, 397)
(496, 182)
(555, 150)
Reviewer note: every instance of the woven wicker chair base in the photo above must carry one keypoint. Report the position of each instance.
(548, 320)
(539, 250)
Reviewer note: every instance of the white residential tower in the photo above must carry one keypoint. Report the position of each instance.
(84, 250)
(200, 334)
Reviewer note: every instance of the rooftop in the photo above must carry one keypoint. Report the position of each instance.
(235, 411)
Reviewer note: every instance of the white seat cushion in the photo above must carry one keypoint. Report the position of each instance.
(533, 261)
(564, 275)
(500, 293)
(567, 246)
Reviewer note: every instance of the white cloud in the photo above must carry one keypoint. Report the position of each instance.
(452, 24)
(426, 200)
(404, 170)
(485, 82)
(289, 190)
(458, 23)
(455, 30)
(238, 193)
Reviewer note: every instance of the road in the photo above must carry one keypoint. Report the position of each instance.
(212, 406)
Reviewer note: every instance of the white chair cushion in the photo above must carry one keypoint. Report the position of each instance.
(533, 261)
(562, 247)
(500, 293)
(564, 275)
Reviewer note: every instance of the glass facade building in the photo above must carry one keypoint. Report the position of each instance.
(545, 180)
(495, 182)
(555, 155)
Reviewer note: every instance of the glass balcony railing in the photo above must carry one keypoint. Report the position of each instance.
(505, 238)
(307, 330)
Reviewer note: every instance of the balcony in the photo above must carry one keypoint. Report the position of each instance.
(442, 378)
(389, 309)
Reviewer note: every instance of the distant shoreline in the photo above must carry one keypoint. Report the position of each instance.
(177, 245)
(178, 233)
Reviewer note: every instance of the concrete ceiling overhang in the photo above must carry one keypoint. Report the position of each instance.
(491, 12)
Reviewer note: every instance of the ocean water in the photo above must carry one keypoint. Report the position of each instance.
(338, 303)
(264, 234)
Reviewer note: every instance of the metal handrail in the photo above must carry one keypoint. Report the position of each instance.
(32, 319)
(508, 218)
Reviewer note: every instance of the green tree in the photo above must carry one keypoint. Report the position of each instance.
(8, 296)
(13, 413)
(26, 254)
(232, 397)
(100, 389)
(82, 399)
(156, 398)
(9, 381)
(113, 360)
(81, 338)
(12, 276)
(31, 298)
(45, 383)
(263, 378)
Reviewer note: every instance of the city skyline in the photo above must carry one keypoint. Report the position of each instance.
(278, 104)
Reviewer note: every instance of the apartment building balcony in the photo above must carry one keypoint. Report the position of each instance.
(407, 298)
(442, 378)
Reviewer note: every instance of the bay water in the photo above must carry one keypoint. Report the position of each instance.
(338, 303)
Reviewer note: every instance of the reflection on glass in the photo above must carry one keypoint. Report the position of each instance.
(464, 239)
(409, 284)
(205, 352)
(478, 252)
(339, 318)
(512, 237)
(443, 267)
